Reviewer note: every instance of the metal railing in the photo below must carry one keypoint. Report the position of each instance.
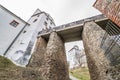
(111, 43)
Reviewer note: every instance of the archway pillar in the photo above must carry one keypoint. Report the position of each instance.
(37, 58)
(97, 62)
(55, 59)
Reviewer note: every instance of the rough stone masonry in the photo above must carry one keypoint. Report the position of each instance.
(37, 59)
(50, 58)
(55, 59)
(99, 65)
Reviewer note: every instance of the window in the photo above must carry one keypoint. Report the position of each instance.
(14, 23)
(45, 23)
(51, 23)
(24, 31)
(47, 18)
(49, 26)
(35, 20)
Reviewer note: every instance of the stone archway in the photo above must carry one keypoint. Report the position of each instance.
(55, 64)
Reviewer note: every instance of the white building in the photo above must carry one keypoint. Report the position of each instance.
(17, 38)
(77, 57)
(10, 27)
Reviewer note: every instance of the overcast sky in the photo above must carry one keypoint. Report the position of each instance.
(62, 11)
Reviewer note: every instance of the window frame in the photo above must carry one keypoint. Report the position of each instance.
(14, 23)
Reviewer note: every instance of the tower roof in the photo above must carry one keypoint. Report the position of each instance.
(74, 47)
(37, 11)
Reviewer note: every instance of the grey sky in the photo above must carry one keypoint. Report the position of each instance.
(62, 11)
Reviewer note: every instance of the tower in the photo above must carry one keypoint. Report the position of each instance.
(21, 50)
(77, 57)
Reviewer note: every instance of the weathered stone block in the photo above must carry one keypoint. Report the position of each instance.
(98, 62)
(55, 59)
(37, 59)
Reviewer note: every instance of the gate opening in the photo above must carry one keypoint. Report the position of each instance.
(77, 63)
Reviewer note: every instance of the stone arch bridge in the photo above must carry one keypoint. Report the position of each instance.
(50, 54)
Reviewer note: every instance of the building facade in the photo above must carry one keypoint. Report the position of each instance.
(77, 57)
(19, 37)
(10, 27)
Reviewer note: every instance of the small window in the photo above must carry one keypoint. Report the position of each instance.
(35, 20)
(47, 18)
(24, 31)
(45, 23)
(14, 23)
(49, 26)
(51, 23)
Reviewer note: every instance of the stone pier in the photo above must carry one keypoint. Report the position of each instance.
(37, 59)
(55, 59)
(92, 36)
(50, 60)
(99, 65)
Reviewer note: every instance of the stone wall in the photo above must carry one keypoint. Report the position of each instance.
(110, 8)
(50, 58)
(55, 59)
(99, 65)
(37, 59)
